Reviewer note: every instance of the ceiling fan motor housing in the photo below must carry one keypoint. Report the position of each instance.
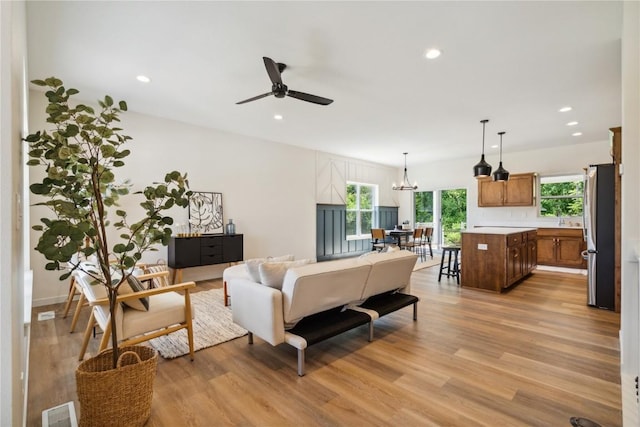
(279, 90)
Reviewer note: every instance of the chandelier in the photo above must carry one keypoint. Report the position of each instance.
(405, 184)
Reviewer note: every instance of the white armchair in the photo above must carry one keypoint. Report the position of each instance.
(168, 312)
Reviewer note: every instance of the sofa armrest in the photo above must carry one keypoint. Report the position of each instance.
(258, 309)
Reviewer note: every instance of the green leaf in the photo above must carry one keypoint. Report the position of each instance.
(39, 82)
(40, 188)
(108, 101)
(72, 91)
(53, 82)
(107, 150)
(123, 105)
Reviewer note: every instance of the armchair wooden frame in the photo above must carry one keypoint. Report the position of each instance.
(74, 289)
(106, 328)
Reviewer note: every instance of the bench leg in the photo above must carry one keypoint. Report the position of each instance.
(250, 336)
(415, 311)
(300, 362)
(371, 331)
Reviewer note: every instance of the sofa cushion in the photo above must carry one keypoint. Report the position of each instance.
(272, 273)
(389, 271)
(313, 288)
(253, 265)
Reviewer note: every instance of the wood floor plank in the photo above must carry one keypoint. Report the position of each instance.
(533, 356)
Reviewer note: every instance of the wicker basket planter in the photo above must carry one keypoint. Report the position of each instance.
(121, 396)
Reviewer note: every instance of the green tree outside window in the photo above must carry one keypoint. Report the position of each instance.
(361, 199)
(561, 196)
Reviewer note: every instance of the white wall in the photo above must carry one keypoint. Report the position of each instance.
(458, 173)
(13, 330)
(333, 171)
(630, 329)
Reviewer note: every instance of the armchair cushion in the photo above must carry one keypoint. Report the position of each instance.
(165, 309)
(134, 285)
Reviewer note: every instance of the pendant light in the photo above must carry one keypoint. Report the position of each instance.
(404, 185)
(501, 174)
(482, 169)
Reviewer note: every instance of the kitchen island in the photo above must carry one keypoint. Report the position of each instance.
(494, 258)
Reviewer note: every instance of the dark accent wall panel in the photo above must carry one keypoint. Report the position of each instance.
(331, 238)
(388, 217)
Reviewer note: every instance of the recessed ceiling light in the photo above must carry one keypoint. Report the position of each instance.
(565, 109)
(494, 146)
(576, 134)
(432, 53)
(143, 79)
(572, 123)
(277, 116)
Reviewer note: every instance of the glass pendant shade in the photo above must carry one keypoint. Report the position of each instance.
(482, 169)
(501, 174)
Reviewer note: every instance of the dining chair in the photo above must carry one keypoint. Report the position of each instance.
(415, 243)
(378, 239)
(426, 238)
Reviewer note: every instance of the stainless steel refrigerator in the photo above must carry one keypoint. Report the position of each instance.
(599, 226)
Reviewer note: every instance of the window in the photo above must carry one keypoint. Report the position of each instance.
(561, 195)
(361, 200)
(423, 201)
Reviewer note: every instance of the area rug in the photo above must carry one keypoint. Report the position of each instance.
(427, 263)
(212, 325)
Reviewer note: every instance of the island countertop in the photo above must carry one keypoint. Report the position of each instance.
(498, 230)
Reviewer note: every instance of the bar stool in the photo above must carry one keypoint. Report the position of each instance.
(449, 270)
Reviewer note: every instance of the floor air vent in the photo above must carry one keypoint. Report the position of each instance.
(60, 416)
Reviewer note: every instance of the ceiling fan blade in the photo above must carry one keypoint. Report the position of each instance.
(272, 70)
(264, 95)
(309, 98)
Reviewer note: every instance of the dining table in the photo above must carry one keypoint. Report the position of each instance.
(399, 235)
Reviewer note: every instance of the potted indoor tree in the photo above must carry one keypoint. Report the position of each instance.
(80, 155)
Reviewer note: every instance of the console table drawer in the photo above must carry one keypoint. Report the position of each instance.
(211, 250)
(213, 258)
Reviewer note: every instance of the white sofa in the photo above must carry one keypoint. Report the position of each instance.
(319, 301)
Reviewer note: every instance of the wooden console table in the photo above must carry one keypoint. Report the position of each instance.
(208, 249)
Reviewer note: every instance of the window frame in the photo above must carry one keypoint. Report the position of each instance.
(556, 179)
(374, 203)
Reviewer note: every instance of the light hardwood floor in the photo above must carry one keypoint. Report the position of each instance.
(533, 356)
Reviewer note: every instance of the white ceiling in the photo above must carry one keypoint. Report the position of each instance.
(514, 63)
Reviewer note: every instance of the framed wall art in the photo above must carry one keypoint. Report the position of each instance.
(205, 213)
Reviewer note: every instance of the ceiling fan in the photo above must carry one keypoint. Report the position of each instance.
(280, 90)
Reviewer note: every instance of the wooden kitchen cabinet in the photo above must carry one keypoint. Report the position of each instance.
(561, 247)
(496, 258)
(517, 191)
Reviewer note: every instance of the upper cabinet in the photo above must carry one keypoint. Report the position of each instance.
(518, 191)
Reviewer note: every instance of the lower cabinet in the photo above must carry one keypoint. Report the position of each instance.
(496, 261)
(561, 247)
